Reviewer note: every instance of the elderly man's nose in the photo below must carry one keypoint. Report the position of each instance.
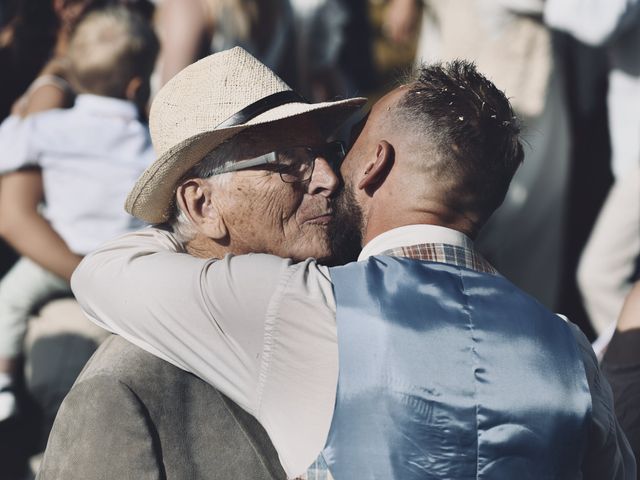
(324, 180)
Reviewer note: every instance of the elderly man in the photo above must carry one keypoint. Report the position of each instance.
(133, 415)
(446, 370)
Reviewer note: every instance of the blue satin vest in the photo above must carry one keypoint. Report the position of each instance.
(448, 373)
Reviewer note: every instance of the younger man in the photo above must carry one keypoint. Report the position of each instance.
(90, 155)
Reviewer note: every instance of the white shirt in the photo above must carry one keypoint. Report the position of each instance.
(90, 156)
(259, 328)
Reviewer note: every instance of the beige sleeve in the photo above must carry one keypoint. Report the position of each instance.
(204, 316)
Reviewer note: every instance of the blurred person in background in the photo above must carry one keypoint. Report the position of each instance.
(192, 29)
(89, 155)
(32, 33)
(610, 261)
(33, 44)
(508, 41)
(323, 47)
(611, 256)
(621, 366)
(333, 52)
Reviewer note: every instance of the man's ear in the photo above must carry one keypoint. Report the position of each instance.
(377, 170)
(194, 198)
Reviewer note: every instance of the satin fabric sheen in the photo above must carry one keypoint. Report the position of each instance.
(448, 373)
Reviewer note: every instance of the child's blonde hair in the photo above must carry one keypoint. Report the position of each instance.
(110, 47)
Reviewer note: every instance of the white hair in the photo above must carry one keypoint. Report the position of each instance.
(205, 169)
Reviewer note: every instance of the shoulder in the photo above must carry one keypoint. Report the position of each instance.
(99, 420)
(117, 360)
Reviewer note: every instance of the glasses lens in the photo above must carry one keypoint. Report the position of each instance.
(296, 164)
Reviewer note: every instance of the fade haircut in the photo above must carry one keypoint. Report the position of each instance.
(110, 47)
(471, 132)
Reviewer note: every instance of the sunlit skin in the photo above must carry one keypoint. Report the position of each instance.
(256, 212)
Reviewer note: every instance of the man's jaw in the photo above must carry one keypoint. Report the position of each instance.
(345, 228)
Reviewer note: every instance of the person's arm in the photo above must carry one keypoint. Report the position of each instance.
(50, 90)
(20, 195)
(26, 230)
(205, 316)
(522, 7)
(183, 26)
(594, 22)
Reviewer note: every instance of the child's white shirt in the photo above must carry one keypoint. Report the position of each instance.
(90, 156)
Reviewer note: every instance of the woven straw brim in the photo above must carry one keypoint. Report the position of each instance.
(152, 195)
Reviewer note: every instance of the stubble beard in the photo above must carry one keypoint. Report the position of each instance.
(345, 228)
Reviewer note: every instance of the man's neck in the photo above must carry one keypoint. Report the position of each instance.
(379, 224)
(204, 247)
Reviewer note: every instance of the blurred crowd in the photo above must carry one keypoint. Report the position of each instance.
(568, 232)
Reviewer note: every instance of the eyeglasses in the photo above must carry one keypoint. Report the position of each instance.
(294, 164)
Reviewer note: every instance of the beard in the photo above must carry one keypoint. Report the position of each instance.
(345, 228)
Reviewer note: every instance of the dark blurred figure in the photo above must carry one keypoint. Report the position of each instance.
(27, 40)
(32, 45)
(590, 179)
(621, 365)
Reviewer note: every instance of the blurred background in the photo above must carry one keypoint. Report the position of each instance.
(568, 232)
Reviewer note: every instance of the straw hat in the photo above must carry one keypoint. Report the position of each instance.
(206, 104)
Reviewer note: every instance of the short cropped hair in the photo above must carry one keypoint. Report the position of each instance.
(472, 133)
(108, 48)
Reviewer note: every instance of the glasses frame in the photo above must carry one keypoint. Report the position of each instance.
(271, 158)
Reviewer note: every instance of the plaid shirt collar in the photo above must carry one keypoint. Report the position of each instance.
(431, 243)
(443, 253)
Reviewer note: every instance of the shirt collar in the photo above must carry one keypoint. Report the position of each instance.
(108, 106)
(412, 235)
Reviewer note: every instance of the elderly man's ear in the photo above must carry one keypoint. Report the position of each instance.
(195, 200)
